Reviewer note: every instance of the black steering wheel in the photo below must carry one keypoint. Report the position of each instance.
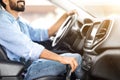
(64, 29)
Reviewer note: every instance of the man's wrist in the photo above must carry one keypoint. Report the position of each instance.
(65, 15)
(60, 58)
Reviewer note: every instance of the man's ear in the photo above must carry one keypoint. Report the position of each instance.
(5, 2)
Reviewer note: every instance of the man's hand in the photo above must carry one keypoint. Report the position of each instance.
(72, 12)
(69, 60)
(46, 54)
(54, 28)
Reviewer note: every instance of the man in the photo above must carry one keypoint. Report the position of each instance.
(17, 37)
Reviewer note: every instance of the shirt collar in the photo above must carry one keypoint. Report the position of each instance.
(10, 16)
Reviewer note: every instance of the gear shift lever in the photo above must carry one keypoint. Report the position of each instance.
(68, 75)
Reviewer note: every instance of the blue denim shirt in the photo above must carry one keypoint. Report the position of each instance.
(17, 36)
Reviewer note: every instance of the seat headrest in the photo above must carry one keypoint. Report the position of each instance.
(0, 6)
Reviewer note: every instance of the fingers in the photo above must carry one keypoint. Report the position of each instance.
(73, 64)
(72, 12)
(70, 60)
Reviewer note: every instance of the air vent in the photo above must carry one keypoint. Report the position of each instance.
(96, 33)
(102, 30)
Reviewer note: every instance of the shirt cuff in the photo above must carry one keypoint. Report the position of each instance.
(45, 35)
(36, 51)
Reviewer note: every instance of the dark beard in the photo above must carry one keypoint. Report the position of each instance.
(16, 7)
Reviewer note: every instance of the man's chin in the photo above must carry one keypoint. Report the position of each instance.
(20, 9)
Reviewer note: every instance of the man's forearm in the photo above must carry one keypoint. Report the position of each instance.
(46, 54)
(53, 29)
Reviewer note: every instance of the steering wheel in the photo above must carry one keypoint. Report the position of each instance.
(64, 29)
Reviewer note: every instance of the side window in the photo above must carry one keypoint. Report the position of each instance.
(42, 13)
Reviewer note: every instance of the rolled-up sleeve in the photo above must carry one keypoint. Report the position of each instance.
(36, 51)
(17, 43)
(38, 34)
(34, 33)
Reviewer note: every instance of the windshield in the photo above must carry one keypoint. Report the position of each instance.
(43, 13)
(99, 8)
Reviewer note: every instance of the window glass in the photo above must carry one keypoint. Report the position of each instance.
(41, 13)
(99, 8)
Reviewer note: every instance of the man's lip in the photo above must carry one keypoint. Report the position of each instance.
(22, 2)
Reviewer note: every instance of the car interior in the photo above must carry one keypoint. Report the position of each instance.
(96, 40)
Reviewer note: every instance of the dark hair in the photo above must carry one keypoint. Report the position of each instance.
(3, 4)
